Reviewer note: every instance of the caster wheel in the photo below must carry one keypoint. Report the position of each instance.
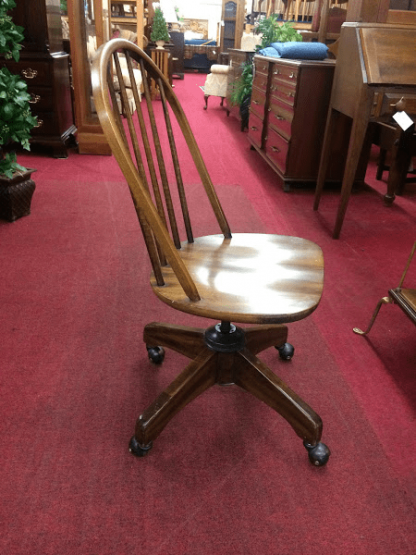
(318, 454)
(156, 354)
(286, 351)
(138, 450)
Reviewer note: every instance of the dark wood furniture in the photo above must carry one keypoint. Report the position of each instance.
(289, 104)
(178, 40)
(403, 297)
(401, 147)
(45, 67)
(232, 24)
(237, 59)
(375, 70)
(266, 280)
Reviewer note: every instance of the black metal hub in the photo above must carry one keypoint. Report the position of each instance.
(224, 338)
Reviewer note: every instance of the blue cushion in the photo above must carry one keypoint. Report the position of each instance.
(269, 51)
(301, 50)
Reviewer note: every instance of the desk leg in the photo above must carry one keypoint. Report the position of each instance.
(331, 126)
(358, 133)
(399, 165)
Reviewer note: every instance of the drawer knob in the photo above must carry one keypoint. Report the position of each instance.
(256, 102)
(253, 128)
(29, 73)
(292, 94)
(280, 118)
(292, 75)
(275, 149)
(277, 72)
(34, 98)
(40, 123)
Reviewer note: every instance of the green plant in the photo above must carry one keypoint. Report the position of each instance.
(159, 27)
(64, 6)
(16, 120)
(243, 86)
(274, 30)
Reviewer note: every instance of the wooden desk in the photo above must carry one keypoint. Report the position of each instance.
(375, 68)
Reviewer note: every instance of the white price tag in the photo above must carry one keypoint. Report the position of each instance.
(403, 120)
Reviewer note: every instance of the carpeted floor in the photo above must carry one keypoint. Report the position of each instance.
(227, 476)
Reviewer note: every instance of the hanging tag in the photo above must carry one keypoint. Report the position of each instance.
(403, 120)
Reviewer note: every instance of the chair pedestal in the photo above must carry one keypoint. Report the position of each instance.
(239, 366)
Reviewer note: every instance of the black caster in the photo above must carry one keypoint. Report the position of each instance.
(138, 450)
(286, 351)
(156, 354)
(318, 454)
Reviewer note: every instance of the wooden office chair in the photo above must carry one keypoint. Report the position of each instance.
(405, 298)
(268, 280)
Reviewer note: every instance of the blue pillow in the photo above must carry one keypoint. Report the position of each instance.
(269, 51)
(301, 50)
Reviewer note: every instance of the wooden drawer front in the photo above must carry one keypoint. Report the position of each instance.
(260, 82)
(386, 104)
(283, 92)
(258, 98)
(47, 124)
(255, 128)
(261, 66)
(34, 73)
(277, 149)
(280, 117)
(287, 74)
(42, 99)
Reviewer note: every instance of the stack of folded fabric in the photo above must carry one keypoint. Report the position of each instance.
(296, 50)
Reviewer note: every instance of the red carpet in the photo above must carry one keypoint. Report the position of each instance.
(227, 476)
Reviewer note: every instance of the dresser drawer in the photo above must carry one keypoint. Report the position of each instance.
(280, 117)
(260, 81)
(34, 73)
(285, 73)
(276, 149)
(47, 124)
(41, 99)
(385, 103)
(255, 128)
(284, 92)
(261, 66)
(258, 99)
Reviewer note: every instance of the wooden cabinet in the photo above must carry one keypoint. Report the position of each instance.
(178, 40)
(237, 59)
(232, 24)
(288, 110)
(44, 66)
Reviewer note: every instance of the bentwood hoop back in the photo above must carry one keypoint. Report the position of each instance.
(265, 280)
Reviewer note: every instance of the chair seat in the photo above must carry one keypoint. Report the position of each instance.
(250, 278)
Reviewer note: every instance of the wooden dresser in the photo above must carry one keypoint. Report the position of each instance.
(236, 60)
(45, 67)
(288, 111)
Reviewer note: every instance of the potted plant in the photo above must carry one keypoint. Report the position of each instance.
(272, 30)
(16, 122)
(159, 32)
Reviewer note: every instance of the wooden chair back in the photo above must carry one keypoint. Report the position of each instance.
(144, 142)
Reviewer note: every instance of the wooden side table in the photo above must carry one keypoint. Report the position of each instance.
(161, 57)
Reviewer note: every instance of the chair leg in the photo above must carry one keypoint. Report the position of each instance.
(255, 377)
(384, 300)
(206, 96)
(197, 377)
(183, 339)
